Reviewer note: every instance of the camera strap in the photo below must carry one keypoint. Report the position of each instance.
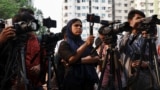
(32, 60)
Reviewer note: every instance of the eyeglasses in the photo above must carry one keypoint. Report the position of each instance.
(76, 25)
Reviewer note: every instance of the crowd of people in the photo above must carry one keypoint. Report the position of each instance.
(125, 63)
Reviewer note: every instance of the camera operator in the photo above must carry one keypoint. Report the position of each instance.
(106, 43)
(23, 34)
(102, 53)
(34, 56)
(130, 49)
(81, 73)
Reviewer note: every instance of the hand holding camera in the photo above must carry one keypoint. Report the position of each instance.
(6, 34)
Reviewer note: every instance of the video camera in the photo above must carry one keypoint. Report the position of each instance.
(105, 23)
(109, 28)
(49, 39)
(96, 19)
(149, 24)
(93, 18)
(48, 22)
(21, 26)
(2, 24)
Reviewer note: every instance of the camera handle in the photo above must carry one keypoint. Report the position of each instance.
(111, 55)
(91, 28)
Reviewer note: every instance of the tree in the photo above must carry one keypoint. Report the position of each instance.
(39, 16)
(8, 8)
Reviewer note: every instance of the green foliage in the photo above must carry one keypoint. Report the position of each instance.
(8, 8)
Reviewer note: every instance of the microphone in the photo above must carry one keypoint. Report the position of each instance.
(107, 23)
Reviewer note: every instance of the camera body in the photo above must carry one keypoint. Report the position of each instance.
(49, 40)
(149, 24)
(24, 27)
(93, 18)
(48, 22)
(110, 36)
(21, 26)
(112, 29)
(2, 23)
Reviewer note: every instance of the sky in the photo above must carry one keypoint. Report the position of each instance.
(52, 9)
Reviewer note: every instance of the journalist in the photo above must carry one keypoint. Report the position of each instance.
(35, 63)
(137, 74)
(81, 73)
(108, 42)
(19, 44)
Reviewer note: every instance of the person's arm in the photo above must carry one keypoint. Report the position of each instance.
(78, 53)
(136, 63)
(90, 59)
(71, 56)
(81, 49)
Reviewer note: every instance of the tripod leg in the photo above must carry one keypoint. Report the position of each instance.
(157, 70)
(49, 74)
(50, 64)
(56, 74)
(117, 70)
(102, 73)
(155, 61)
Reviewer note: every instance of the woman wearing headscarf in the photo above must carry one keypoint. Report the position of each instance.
(81, 73)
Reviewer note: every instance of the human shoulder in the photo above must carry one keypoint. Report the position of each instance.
(123, 41)
(63, 43)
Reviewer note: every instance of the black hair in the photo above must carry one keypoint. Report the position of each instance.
(101, 29)
(25, 16)
(22, 10)
(63, 31)
(132, 13)
(97, 41)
